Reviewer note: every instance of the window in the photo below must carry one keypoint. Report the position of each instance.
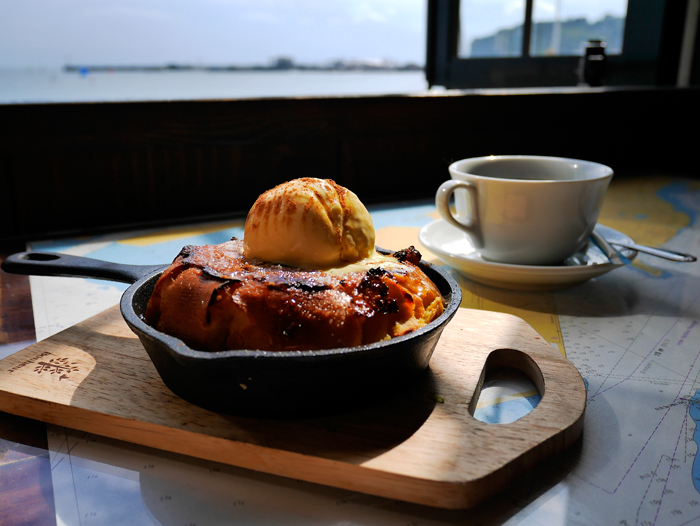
(526, 43)
(495, 28)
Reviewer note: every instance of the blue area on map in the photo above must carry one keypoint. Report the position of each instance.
(662, 274)
(680, 196)
(507, 412)
(165, 252)
(694, 412)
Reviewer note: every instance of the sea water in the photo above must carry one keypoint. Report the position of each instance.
(45, 85)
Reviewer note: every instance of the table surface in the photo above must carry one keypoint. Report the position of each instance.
(632, 333)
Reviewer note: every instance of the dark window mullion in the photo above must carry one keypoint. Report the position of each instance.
(527, 29)
(443, 40)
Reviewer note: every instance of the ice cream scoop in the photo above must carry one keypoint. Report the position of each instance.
(309, 223)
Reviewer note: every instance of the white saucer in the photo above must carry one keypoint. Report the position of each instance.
(454, 247)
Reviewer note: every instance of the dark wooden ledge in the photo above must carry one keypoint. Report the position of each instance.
(86, 168)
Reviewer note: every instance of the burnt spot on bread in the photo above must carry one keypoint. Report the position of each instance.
(409, 254)
(185, 253)
(375, 294)
(303, 286)
(309, 287)
(377, 271)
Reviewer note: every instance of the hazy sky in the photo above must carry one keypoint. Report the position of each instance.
(51, 33)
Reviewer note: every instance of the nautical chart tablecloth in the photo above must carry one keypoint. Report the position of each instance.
(632, 333)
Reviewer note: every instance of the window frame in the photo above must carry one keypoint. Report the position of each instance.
(650, 54)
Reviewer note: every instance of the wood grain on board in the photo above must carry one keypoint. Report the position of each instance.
(420, 446)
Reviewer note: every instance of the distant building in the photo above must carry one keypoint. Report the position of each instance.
(283, 63)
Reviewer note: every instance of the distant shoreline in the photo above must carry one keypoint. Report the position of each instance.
(72, 68)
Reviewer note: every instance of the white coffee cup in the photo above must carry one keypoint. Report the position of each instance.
(525, 209)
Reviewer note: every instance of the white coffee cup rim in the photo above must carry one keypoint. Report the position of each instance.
(605, 171)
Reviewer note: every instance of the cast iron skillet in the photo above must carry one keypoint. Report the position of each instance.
(288, 384)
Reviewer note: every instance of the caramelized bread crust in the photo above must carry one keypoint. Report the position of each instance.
(214, 298)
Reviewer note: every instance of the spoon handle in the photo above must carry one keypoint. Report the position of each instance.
(662, 253)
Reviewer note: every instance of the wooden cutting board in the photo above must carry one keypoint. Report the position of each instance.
(420, 446)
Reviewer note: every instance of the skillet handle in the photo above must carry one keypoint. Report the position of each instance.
(54, 264)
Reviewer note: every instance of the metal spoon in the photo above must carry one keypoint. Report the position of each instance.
(660, 252)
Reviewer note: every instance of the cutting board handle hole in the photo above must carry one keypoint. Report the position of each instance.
(511, 385)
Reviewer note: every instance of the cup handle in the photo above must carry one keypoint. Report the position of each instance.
(471, 224)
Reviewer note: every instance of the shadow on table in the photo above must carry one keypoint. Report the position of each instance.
(612, 295)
